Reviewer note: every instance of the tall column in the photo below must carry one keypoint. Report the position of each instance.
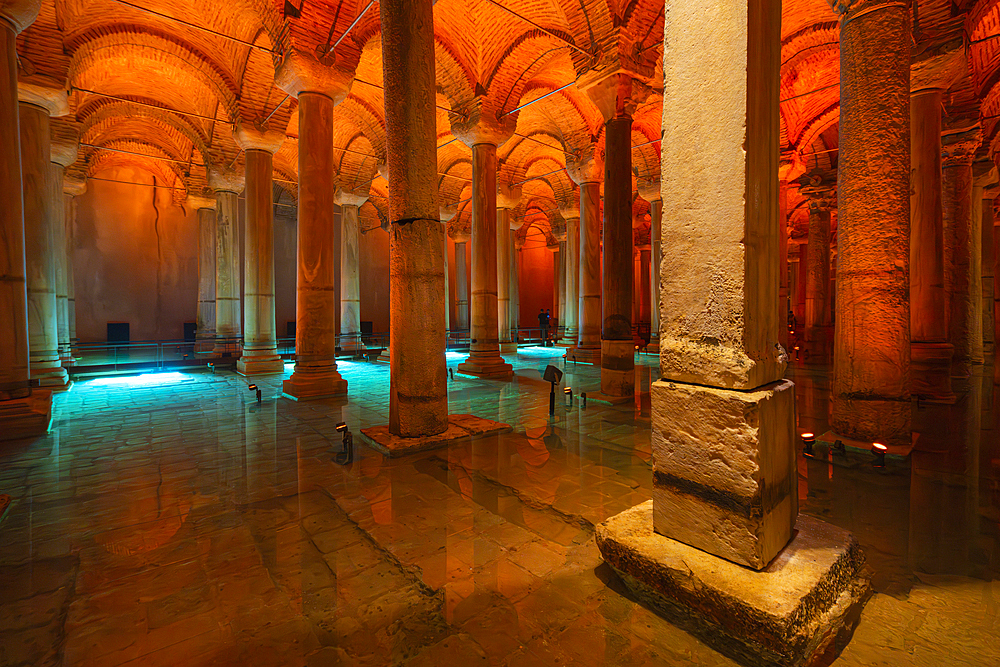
(984, 176)
(64, 152)
(260, 342)
(961, 243)
(207, 242)
(227, 186)
(484, 351)
(516, 243)
(930, 350)
(571, 269)
(650, 191)
(645, 301)
(461, 283)
(72, 188)
(23, 412)
(989, 273)
(508, 197)
(720, 361)
(588, 173)
(35, 106)
(871, 385)
(448, 213)
(418, 395)
(350, 280)
(818, 324)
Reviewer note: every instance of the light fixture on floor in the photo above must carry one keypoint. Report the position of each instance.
(451, 373)
(879, 450)
(583, 396)
(808, 440)
(839, 448)
(255, 388)
(211, 367)
(568, 391)
(346, 455)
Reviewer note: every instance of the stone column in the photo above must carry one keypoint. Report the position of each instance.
(508, 197)
(350, 281)
(783, 304)
(461, 283)
(645, 301)
(571, 270)
(650, 191)
(35, 106)
(720, 360)
(871, 377)
(64, 152)
(818, 327)
(587, 173)
(961, 246)
(72, 188)
(207, 245)
(930, 350)
(418, 395)
(989, 273)
(484, 351)
(516, 243)
(23, 412)
(984, 176)
(448, 213)
(227, 186)
(260, 342)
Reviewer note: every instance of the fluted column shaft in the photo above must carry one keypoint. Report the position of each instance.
(461, 288)
(590, 266)
(227, 277)
(503, 277)
(207, 246)
(418, 399)
(871, 385)
(350, 280)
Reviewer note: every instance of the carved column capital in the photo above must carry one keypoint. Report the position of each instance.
(53, 99)
(226, 181)
(251, 138)
(301, 73)
(19, 13)
(958, 149)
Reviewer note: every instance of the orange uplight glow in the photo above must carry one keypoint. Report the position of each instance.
(879, 446)
(808, 435)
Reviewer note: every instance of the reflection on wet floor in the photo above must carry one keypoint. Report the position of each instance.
(176, 521)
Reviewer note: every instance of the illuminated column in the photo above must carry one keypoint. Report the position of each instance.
(448, 213)
(818, 324)
(227, 186)
(588, 173)
(961, 246)
(984, 176)
(650, 191)
(643, 286)
(207, 242)
(350, 282)
(484, 358)
(23, 412)
(35, 106)
(72, 188)
(508, 198)
(871, 376)
(930, 350)
(516, 243)
(461, 282)
(418, 394)
(260, 342)
(554, 246)
(571, 270)
(989, 273)
(64, 152)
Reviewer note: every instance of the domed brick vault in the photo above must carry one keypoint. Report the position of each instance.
(239, 165)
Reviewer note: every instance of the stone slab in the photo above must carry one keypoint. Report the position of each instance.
(460, 427)
(724, 476)
(598, 397)
(26, 417)
(795, 612)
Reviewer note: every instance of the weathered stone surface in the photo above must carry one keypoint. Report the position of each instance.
(26, 417)
(724, 468)
(459, 428)
(804, 604)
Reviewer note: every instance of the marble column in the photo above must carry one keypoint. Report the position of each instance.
(961, 246)
(72, 188)
(588, 173)
(461, 283)
(207, 245)
(720, 360)
(24, 412)
(227, 186)
(448, 214)
(643, 289)
(516, 243)
(260, 342)
(350, 280)
(818, 327)
(930, 351)
(64, 152)
(418, 394)
(484, 358)
(508, 197)
(571, 270)
(35, 107)
(871, 376)
(650, 191)
(984, 175)
(989, 273)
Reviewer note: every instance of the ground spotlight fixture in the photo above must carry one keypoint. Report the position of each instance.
(255, 388)
(838, 447)
(451, 373)
(583, 395)
(346, 455)
(808, 440)
(879, 450)
(574, 360)
(568, 392)
(796, 352)
(211, 367)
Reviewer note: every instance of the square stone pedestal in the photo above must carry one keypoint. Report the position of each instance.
(460, 427)
(801, 608)
(487, 367)
(724, 477)
(508, 348)
(269, 365)
(27, 417)
(302, 387)
(583, 355)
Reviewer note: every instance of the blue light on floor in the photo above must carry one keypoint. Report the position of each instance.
(144, 380)
(539, 351)
(456, 356)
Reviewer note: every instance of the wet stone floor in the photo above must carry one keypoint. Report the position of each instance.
(170, 519)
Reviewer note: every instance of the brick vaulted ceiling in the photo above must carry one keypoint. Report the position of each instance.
(159, 84)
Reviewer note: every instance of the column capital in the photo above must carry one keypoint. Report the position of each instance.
(201, 201)
(552, 245)
(519, 241)
(616, 93)
(74, 185)
(984, 174)
(649, 190)
(820, 188)
(53, 99)
(483, 126)
(250, 138)
(959, 148)
(19, 13)
(508, 196)
(849, 10)
(65, 151)
(226, 181)
(587, 166)
(790, 167)
(937, 66)
(301, 73)
(448, 212)
(558, 226)
(571, 209)
(347, 198)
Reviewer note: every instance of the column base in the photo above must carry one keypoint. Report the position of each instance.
(584, 355)
(460, 427)
(50, 375)
(307, 386)
(804, 606)
(930, 364)
(873, 420)
(489, 365)
(508, 348)
(260, 365)
(28, 417)
(351, 344)
(618, 368)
